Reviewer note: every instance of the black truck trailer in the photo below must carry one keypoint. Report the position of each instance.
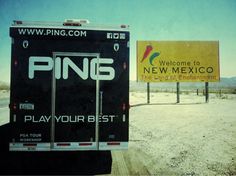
(69, 86)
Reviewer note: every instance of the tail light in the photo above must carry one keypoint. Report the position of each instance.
(63, 144)
(15, 63)
(14, 106)
(123, 106)
(124, 65)
(29, 145)
(113, 143)
(85, 144)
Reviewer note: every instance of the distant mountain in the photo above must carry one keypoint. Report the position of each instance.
(225, 83)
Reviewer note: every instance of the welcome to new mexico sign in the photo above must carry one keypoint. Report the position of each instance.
(178, 61)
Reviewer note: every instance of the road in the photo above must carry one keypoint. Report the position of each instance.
(130, 162)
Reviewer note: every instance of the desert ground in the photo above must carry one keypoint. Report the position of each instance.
(188, 138)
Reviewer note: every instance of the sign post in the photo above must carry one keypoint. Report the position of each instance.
(148, 93)
(177, 92)
(207, 92)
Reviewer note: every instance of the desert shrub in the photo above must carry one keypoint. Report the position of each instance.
(4, 87)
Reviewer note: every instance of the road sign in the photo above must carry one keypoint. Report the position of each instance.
(178, 61)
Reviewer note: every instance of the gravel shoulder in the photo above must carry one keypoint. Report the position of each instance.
(190, 138)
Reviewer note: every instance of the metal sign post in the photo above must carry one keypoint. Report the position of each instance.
(177, 92)
(148, 93)
(207, 92)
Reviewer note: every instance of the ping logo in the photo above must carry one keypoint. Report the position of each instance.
(147, 52)
(62, 67)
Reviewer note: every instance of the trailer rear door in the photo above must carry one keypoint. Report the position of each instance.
(77, 91)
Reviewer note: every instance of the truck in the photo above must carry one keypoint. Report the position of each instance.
(69, 87)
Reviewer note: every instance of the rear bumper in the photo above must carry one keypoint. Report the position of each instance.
(68, 146)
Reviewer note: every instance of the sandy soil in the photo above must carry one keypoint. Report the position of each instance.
(190, 138)
(4, 110)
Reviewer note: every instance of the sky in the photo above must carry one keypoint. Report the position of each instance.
(148, 20)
